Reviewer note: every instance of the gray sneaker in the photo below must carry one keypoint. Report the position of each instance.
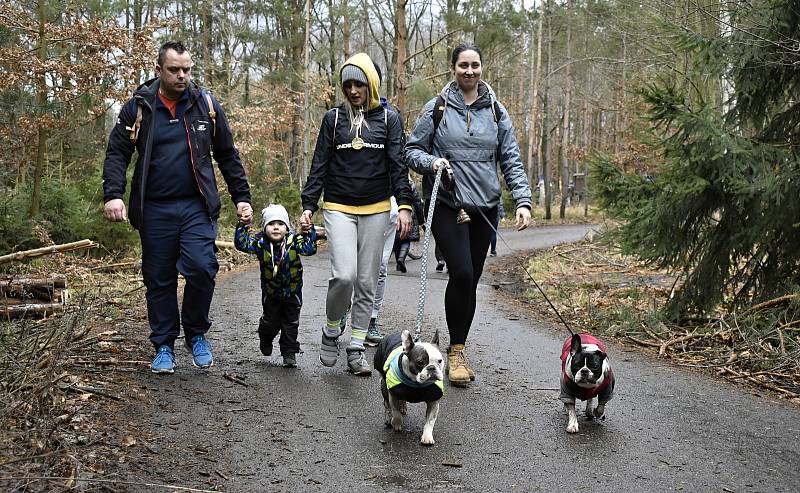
(357, 363)
(329, 349)
(374, 335)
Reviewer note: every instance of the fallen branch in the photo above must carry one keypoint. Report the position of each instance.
(224, 244)
(93, 390)
(38, 252)
(758, 382)
(663, 348)
(235, 379)
(118, 265)
(770, 303)
(644, 343)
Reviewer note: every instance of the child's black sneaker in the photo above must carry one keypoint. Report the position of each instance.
(289, 360)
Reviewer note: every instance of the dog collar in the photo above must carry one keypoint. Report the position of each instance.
(397, 369)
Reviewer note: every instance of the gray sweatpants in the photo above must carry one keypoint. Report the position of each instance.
(388, 244)
(355, 246)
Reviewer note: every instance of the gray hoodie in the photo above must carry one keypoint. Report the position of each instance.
(470, 139)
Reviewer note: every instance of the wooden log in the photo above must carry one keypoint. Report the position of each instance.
(224, 244)
(12, 311)
(39, 288)
(55, 281)
(38, 252)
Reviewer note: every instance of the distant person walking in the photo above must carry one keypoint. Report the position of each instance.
(357, 166)
(501, 213)
(175, 126)
(467, 130)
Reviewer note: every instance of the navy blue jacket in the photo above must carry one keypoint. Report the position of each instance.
(202, 140)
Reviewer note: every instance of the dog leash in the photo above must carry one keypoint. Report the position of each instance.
(423, 276)
(521, 263)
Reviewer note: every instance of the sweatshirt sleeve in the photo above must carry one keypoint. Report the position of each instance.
(118, 154)
(227, 157)
(511, 161)
(312, 191)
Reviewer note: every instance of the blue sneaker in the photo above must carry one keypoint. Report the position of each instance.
(164, 361)
(201, 352)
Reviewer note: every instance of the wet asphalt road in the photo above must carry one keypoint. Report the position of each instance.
(321, 429)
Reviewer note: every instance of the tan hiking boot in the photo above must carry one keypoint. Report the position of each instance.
(470, 371)
(457, 371)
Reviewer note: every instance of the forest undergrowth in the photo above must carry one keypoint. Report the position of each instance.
(600, 291)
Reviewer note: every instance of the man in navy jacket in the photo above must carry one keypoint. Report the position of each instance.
(174, 126)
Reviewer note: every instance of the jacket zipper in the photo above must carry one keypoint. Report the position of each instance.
(191, 158)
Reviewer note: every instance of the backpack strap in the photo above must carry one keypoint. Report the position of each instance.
(438, 112)
(137, 124)
(333, 133)
(212, 114)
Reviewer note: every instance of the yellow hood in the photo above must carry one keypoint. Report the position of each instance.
(364, 62)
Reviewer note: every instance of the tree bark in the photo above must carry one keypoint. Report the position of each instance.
(536, 73)
(401, 48)
(565, 124)
(306, 90)
(41, 102)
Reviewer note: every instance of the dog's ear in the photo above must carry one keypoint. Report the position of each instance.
(575, 346)
(408, 341)
(435, 340)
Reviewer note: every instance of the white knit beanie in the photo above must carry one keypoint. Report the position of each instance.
(274, 212)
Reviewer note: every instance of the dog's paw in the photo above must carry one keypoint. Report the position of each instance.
(397, 424)
(572, 427)
(599, 413)
(427, 439)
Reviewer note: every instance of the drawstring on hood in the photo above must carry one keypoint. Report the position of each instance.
(453, 96)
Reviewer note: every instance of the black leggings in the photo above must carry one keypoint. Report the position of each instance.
(464, 247)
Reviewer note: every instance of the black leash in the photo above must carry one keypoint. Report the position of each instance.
(522, 264)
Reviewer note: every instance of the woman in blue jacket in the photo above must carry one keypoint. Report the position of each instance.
(470, 135)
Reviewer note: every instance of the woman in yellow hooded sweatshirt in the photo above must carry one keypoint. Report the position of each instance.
(357, 166)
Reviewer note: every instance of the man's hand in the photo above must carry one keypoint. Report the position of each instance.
(305, 221)
(523, 218)
(245, 213)
(114, 211)
(403, 223)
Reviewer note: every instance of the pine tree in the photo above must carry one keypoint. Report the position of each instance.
(723, 210)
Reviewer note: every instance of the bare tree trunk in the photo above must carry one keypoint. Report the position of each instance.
(533, 168)
(548, 188)
(41, 102)
(346, 30)
(401, 48)
(208, 45)
(306, 91)
(565, 124)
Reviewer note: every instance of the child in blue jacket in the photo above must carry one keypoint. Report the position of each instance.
(278, 251)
